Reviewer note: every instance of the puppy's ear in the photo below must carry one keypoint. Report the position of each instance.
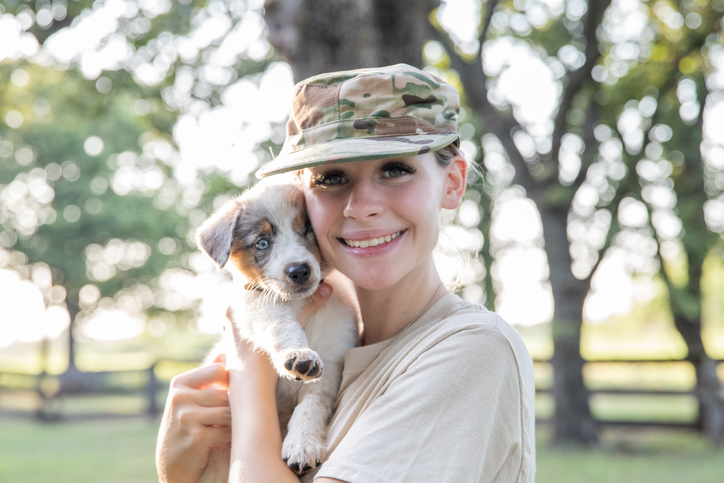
(217, 233)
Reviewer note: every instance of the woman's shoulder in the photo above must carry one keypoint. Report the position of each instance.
(474, 327)
(462, 315)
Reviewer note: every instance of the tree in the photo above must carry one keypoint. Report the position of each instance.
(89, 169)
(596, 88)
(316, 36)
(675, 182)
(539, 171)
(581, 165)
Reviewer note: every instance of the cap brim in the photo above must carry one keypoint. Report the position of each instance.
(357, 149)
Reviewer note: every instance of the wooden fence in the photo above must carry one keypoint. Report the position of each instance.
(696, 424)
(45, 394)
(51, 390)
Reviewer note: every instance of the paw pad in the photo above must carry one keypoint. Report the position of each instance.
(303, 365)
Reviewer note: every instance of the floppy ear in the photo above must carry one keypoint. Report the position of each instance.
(217, 233)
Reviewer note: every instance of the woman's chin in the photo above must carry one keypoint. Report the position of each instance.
(371, 282)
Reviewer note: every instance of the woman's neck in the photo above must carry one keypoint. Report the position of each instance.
(386, 312)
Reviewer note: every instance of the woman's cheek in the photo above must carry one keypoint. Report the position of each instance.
(319, 220)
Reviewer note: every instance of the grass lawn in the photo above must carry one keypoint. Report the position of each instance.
(633, 455)
(118, 451)
(121, 451)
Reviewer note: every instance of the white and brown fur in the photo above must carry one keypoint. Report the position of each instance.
(273, 284)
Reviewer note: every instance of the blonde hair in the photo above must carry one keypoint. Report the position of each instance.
(446, 154)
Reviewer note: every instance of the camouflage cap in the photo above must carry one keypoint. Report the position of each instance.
(379, 113)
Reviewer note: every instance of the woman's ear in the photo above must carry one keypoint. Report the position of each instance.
(456, 176)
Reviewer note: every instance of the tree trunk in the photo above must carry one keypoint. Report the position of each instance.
(708, 386)
(316, 36)
(72, 312)
(572, 419)
(685, 299)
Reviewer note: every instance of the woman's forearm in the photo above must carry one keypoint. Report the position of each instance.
(256, 443)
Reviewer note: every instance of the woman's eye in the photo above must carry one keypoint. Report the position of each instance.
(395, 170)
(261, 245)
(328, 179)
(334, 180)
(392, 173)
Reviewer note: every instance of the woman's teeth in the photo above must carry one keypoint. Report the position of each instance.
(372, 242)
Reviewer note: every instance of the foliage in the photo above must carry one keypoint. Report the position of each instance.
(98, 202)
(625, 124)
(92, 137)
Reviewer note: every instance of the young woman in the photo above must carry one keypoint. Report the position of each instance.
(440, 390)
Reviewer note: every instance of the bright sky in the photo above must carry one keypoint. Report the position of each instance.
(217, 139)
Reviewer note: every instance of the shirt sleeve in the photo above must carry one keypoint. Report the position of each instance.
(454, 415)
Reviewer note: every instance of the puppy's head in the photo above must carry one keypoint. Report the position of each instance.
(266, 236)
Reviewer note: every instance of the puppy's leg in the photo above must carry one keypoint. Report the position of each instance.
(305, 446)
(291, 354)
(278, 333)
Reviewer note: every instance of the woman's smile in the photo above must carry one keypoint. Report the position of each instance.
(371, 247)
(356, 242)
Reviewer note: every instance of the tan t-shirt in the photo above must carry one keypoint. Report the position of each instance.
(450, 400)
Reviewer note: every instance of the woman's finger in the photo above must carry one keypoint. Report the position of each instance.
(211, 398)
(220, 359)
(314, 303)
(201, 377)
(218, 416)
(218, 435)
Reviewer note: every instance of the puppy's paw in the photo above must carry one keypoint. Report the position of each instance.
(303, 452)
(303, 365)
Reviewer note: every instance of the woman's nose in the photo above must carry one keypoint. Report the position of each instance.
(364, 201)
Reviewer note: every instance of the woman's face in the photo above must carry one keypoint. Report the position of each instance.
(378, 221)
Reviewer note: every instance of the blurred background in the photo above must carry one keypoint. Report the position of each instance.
(595, 227)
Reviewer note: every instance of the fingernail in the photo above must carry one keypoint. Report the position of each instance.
(325, 290)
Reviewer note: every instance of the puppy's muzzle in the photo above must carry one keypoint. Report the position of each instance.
(299, 273)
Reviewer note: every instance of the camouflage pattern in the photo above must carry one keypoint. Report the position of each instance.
(385, 112)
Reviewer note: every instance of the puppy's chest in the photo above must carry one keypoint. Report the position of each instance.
(287, 396)
(254, 314)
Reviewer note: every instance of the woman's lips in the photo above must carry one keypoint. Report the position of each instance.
(370, 242)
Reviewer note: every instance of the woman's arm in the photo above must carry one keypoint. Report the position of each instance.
(256, 445)
(197, 414)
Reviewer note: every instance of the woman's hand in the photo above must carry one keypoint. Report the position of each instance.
(197, 414)
(197, 417)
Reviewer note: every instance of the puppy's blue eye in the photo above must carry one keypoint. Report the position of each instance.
(261, 245)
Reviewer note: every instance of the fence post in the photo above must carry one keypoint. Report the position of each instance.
(151, 390)
(42, 412)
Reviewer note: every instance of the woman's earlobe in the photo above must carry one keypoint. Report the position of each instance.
(456, 176)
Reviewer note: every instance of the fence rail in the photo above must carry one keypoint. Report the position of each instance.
(697, 424)
(51, 390)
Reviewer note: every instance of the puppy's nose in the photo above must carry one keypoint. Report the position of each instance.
(299, 273)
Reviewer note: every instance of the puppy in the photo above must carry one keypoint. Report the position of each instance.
(265, 239)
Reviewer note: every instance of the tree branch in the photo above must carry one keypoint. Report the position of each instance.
(576, 81)
(476, 91)
(43, 34)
